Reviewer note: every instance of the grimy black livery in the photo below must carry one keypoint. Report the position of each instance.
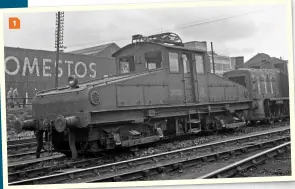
(161, 89)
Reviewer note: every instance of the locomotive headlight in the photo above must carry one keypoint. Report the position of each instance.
(73, 81)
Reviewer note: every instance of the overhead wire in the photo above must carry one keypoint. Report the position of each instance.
(207, 21)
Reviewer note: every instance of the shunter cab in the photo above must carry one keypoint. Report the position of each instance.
(262, 83)
(183, 71)
(268, 88)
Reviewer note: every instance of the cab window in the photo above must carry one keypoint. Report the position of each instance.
(126, 64)
(186, 66)
(153, 60)
(173, 62)
(199, 63)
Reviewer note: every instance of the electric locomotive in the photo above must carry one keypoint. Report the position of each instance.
(161, 89)
(269, 91)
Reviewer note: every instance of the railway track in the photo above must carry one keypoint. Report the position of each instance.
(24, 144)
(28, 140)
(143, 167)
(19, 149)
(19, 165)
(246, 163)
(20, 168)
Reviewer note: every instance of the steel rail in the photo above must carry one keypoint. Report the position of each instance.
(21, 141)
(60, 167)
(13, 166)
(31, 173)
(180, 164)
(19, 154)
(15, 147)
(246, 163)
(98, 170)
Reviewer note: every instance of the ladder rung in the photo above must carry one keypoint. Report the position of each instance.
(195, 130)
(194, 121)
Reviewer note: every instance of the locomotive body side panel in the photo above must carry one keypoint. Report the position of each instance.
(222, 89)
(65, 104)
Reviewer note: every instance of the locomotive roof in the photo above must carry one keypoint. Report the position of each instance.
(160, 44)
(253, 70)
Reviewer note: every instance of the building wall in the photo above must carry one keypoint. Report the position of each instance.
(237, 62)
(222, 63)
(34, 70)
(196, 45)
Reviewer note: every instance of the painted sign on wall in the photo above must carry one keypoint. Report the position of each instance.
(34, 70)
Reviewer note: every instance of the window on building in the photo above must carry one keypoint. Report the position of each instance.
(199, 63)
(226, 67)
(186, 66)
(218, 67)
(173, 62)
(153, 59)
(127, 64)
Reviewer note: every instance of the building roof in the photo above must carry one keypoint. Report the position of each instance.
(94, 50)
(160, 44)
(268, 58)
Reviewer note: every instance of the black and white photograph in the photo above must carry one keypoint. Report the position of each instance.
(165, 93)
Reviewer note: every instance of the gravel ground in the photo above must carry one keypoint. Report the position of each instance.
(279, 166)
(11, 116)
(178, 144)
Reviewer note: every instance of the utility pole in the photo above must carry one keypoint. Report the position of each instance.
(212, 57)
(58, 41)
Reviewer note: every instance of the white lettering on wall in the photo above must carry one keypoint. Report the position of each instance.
(60, 72)
(45, 67)
(15, 61)
(69, 66)
(31, 68)
(93, 75)
(76, 70)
